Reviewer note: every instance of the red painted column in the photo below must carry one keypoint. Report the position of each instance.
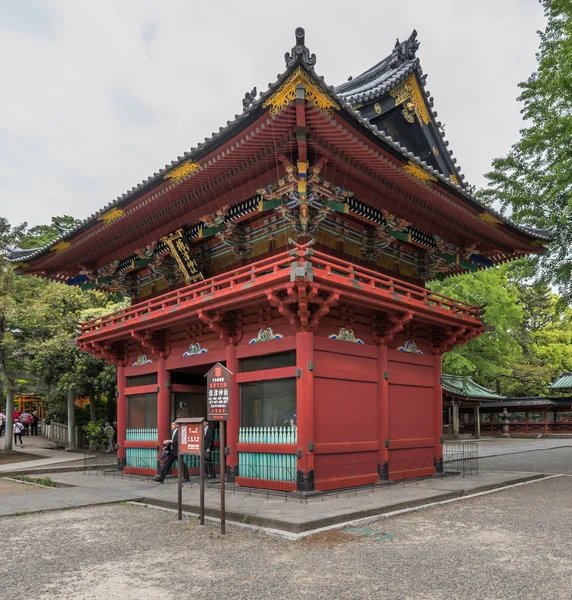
(163, 401)
(233, 423)
(382, 411)
(438, 410)
(121, 415)
(305, 413)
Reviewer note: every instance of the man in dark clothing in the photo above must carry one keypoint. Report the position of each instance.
(172, 456)
(34, 424)
(209, 439)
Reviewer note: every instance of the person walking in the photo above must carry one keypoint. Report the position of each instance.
(172, 456)
(2, 422)
(34, 425)
(18, 430)
(208, 442)
(24, 419)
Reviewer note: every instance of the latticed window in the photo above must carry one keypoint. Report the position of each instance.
(268, 361)
(268, 403)
(142, 411)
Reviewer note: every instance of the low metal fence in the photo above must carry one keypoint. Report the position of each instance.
(461, 458)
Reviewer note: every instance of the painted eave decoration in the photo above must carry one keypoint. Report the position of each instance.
(346, 335)
(266, 335)
(142, 360)
(410, 347)
(195, 349)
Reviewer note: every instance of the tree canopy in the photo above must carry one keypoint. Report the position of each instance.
(534, 180)
(39, 321)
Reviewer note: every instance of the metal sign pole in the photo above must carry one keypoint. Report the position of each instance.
(202, 478)
(222, 478)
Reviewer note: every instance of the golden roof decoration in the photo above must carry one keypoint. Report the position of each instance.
(60, 246)
(282, 97)
(419, 173)
(453, 179)
(179, 173)
(111, 215)
(409, 90)
(490, 219)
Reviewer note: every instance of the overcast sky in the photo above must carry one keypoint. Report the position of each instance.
(96, 96)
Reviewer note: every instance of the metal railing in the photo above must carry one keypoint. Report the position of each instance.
(267, 435)
(461, 458)
(326, 267)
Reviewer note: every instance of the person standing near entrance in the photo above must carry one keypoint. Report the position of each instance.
(34, 425)
(208, 437)
(172, 456)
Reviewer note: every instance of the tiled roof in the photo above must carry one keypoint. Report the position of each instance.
(563, 382)
(299, 57)
(465, 387)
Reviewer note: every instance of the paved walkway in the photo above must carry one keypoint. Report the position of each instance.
(47, 456)
(258, 509)
(91, 488)
(500, 447)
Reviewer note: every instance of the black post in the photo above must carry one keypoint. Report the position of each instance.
(222, 477)
(202, 479)
(180, 483)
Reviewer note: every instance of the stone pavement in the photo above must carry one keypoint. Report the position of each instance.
(47, 456)
(278, 512)
(495, 446)
(273, 511)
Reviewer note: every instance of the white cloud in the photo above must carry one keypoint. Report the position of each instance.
(98, 96)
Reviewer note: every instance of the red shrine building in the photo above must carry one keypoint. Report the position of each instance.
(294, 246)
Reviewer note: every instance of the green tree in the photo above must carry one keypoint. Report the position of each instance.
(493, 353)
(534, 181)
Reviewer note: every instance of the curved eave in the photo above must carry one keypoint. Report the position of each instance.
(459, 192)
(155, 181)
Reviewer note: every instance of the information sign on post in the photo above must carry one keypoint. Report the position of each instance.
(218, 401)
(190, 438)
(218, 393)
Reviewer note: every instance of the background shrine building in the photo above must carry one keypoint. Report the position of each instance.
(294, 246)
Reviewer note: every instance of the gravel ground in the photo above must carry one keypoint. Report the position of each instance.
(507, 545)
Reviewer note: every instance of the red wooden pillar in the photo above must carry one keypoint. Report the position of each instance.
(121, 415)
(305, 409)
(163, 401)
(382, 412)
(438, 412)
(233, 423)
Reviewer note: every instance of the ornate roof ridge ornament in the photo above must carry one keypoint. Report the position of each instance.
(300, 53)
(249, 98)
(404, 51)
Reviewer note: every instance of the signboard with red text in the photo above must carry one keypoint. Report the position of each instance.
(218, 393)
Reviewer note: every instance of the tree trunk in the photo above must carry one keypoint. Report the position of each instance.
(9, 417)
(92, 407)
(72, 442)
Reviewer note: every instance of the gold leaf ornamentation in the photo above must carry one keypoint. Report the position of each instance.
(453, 179)
(60, 246)
(282, 97)
(490, 219)
(409, 90)
(419, 173)
(111, 215)
(179, 173)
